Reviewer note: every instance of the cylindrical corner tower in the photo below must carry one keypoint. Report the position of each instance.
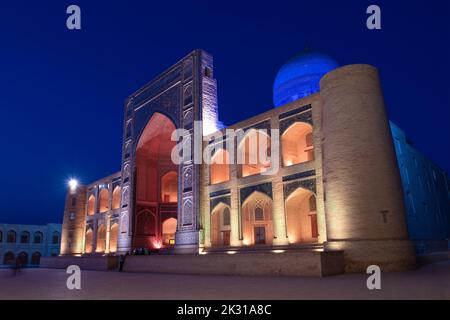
(363, 192)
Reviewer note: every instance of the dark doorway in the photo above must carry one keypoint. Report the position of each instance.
(226, 238)
(260, 235)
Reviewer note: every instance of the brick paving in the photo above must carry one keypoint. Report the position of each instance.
(429, 282)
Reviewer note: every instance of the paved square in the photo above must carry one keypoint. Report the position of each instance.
(429, 282)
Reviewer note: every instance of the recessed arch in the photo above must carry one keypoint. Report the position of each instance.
(169, 228)
(22, 258)
(115, 198)
(251, 150)
(25, 237)
(220, 225)
(103, 199)
(91, 205)
(113, 236)
(36, 258)
(156, 182)
(297, 144)
(301, 216)
(220, 167)
(38, 237)
(101, 238)
(9, 258)
(88, 242)
(257, 219)
(169, 187)
(146, 223)
(11, 236)
(56, 237)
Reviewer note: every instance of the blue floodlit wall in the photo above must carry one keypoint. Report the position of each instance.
(300, 77)
(426, 194)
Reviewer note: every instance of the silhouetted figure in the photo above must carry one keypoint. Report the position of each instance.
(17, 266)
(121, 262)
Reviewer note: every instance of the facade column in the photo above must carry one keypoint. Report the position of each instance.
(94, 236)
(108, 229)
(279, 215)
(235, 220)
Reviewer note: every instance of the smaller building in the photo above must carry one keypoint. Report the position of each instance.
(28, 243)
(426, 192)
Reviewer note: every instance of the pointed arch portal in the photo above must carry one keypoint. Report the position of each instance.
(156, 184)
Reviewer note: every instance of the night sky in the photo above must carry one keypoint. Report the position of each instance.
(62, 91)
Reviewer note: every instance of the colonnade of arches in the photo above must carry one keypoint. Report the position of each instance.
(105, 201)
(256, 220)
(9, 258)
(25, 237)
(101, 243)
(296, 145)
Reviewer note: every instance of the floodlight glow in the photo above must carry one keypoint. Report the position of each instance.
(73, 184)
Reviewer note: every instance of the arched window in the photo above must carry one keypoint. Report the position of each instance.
(55, 237)
(36, 258)
(297, 144)
(169, 187)
(259, 214)
(312, 203)
(38, 237)
(91, 205)
(9, 258)
(220, 170)
(103, 200)
(226, 216)
(11, 236)
(25, 237)
(116, 198)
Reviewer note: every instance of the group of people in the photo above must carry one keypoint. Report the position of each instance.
(135, 252)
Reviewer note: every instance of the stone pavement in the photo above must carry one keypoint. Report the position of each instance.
(429, 282)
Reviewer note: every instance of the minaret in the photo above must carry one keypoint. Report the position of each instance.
(363, 192)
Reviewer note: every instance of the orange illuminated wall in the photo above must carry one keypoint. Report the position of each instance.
(220, 170)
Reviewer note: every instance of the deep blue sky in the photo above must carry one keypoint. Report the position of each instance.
(62, 92)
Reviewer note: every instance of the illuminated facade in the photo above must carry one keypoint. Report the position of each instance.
(338, 186)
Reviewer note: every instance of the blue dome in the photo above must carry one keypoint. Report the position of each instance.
(300, 77)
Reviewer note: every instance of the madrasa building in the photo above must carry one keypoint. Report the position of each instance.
(349, 191)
